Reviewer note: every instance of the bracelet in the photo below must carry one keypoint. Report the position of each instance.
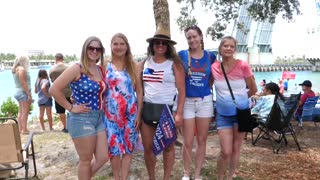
(71, 108)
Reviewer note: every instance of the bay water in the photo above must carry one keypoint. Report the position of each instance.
(7, 84)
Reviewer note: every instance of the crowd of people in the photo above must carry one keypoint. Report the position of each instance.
(105, 100)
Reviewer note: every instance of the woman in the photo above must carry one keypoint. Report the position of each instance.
(265, 102)
(123, 108)
(22, 92)
(198, 107)
(85, 118)
(44, 98)
(243, 86)
(163, 75)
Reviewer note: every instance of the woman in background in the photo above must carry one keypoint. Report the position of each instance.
(22, 92)
(123, 106)
(241, 78)
(44, 98)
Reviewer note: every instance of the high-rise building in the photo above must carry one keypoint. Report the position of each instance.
(254, 39)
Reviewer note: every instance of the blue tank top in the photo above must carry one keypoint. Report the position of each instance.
(85, 90)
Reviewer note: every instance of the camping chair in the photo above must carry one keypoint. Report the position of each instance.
(278, 122)
(11, 150)
(307, 110)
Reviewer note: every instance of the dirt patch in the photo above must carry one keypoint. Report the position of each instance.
(57, 158)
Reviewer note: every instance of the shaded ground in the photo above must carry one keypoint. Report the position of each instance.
(57, 158)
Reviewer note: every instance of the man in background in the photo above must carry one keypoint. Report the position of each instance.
(54, 73)
(307, 92)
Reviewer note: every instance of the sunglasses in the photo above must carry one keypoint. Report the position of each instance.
(162, 43)
(91, 48)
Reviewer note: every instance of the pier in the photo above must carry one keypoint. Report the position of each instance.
(281, 67)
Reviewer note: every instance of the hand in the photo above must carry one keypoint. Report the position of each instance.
(178, 118)
(81, 108)
(137, 124)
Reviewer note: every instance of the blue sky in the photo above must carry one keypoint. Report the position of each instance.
(63, 25)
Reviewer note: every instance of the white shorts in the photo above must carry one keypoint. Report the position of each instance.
(198, 107)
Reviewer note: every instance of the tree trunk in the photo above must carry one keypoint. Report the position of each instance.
(161, 14)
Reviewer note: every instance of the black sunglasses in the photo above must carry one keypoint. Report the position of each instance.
(91, 48)
(158, 43)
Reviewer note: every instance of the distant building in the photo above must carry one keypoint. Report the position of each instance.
(36, 52)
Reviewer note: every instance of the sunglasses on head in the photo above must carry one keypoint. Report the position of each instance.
(91, 48)
(158, 43)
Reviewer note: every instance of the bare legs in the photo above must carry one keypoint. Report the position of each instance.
(147, 133)
(230, 143)
(23, 114)
(49, 116)
(202, 126)
(120, 167)
(86, 148)
(63, 119)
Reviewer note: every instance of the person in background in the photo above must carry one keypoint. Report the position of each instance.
(262, 84)
(85, 117)
(163, 75)
(281, 86)
(123, 107)
(22, 92)
(265, 102)
(198, 107)
(44, 98)
(286, 84)
(54, 73)
(307, 92)
(241, 78)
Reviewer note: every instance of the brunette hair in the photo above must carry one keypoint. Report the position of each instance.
(196, 28)
(274, 88)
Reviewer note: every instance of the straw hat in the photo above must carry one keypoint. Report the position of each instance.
(162, 34)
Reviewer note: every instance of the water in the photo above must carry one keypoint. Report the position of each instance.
(7, 85)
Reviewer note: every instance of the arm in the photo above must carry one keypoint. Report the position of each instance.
(44, 88)
(22, 77)
(179, 74)
(61, 82)
(251, 84)
(139, 92)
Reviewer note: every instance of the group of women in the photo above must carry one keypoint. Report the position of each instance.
(105, 116)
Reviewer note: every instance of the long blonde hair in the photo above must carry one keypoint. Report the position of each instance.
(22, 61)
(84, 56)
(129, 62)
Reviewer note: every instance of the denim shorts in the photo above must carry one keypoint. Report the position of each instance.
(85, 124)
(20, 95)
(47, 104)
(198, 107)
(226, 122)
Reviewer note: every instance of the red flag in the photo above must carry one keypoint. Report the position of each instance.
(288, 75)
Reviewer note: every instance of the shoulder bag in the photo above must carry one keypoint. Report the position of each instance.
(245, 120)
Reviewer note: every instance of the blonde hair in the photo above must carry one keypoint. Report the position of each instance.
(224, 39)
(84, 56)
(22, 61)
(129, 62)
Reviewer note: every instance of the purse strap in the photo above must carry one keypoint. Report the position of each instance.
(225, 76)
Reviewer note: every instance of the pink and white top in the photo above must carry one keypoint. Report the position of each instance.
(237, 76)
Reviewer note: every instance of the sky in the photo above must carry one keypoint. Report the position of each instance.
(63, 25)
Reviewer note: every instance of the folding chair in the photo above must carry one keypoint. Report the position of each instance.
(11, 150)
(278, 122)
(307, 110)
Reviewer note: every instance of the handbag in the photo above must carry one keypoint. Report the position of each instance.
(245, 121)
(151, 113)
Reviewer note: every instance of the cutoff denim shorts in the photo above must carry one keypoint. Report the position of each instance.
(47, 104)
(85, 124)
(226, 122)
(20, 95)
(198, 107)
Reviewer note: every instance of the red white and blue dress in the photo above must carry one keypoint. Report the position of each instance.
(120, 112)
